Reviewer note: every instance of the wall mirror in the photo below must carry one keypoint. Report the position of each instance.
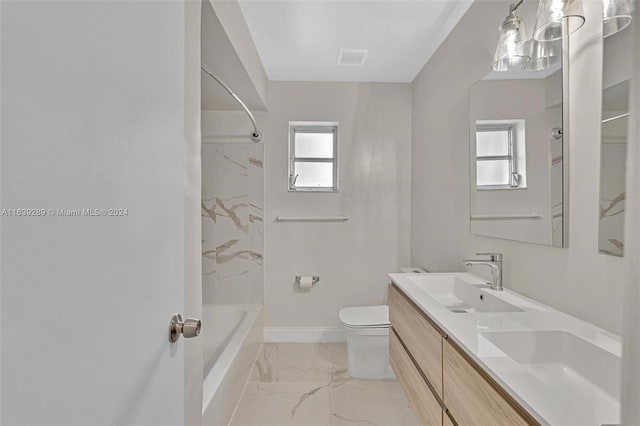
(517, 155)
(617, 45)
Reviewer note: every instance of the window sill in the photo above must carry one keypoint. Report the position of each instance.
(327, 190)
(500, 188)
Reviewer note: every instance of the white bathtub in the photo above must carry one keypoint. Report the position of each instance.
(231, 338)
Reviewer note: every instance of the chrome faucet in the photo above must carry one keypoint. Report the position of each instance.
(495, 263)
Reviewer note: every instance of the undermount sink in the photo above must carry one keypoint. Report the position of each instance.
(565, 359)
(460, 296)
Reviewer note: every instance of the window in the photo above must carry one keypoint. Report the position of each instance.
(497, 165)
(313, 157)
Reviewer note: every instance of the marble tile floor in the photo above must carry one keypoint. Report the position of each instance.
(307, 384)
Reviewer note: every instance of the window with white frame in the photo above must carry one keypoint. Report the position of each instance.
(313, 156)
(497, 157)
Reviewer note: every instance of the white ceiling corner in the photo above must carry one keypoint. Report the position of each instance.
(219, 54)
(299, 40)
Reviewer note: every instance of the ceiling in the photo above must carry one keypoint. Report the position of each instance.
(299, 40)
(220, 56)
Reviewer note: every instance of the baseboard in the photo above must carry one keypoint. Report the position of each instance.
(303, 335)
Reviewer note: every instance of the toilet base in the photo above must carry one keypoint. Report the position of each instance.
(368, 353)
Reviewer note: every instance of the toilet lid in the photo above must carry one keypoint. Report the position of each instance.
(365, 316)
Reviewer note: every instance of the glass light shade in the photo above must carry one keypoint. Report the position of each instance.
(616, 16)
(550, 17)
(511, 51)
(544, 54)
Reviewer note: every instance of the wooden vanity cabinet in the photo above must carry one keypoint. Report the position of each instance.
(471, 398)
(426, 407)
(418, 334)
(443, 384)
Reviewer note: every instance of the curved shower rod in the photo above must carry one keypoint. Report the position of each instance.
(256, 136)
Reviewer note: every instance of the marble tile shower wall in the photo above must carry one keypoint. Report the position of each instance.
(232, 223)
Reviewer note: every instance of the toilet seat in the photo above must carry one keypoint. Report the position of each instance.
(365, 317)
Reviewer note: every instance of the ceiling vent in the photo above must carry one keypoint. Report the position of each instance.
(352, 56)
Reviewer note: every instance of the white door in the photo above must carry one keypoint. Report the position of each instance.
(99, 187)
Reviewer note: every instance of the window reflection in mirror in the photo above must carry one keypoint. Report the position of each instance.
(500, 154)
(613, 147)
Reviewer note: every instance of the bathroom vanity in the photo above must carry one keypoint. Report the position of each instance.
(469, 355)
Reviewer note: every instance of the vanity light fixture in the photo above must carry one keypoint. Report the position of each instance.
(617, 15)
(511, 51)
(544, 50)
(550, 17)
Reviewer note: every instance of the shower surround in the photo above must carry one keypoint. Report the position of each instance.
(232, 222)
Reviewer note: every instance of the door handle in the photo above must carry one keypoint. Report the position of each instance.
(188, 328)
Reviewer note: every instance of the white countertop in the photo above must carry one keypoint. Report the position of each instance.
(543, 394)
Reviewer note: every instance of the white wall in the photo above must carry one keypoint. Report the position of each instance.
(577, 280)
(223, 40)
(352, 259)
(230, 16)
(631, 368)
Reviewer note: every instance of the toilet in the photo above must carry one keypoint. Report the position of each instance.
(367, 332)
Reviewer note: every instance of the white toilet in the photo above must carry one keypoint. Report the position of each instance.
(367, 331)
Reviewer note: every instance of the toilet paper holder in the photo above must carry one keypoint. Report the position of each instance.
(314, 279)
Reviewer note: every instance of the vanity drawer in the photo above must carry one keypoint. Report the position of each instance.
(472, 399)
(420, 337)
(425, 406)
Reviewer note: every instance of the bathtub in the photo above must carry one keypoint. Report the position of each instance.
(231, 338)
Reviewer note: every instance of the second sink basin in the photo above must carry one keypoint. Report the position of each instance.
(460, 296)
(574, 366)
